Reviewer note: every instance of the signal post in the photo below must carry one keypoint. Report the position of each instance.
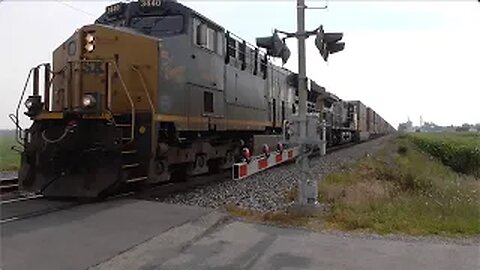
(304, 127)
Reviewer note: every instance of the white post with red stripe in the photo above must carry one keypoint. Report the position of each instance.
(263, 162)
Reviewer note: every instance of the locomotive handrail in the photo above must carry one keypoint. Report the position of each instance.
(14, 118)
(150, 102)
(145, 89)
(132, 105)
(238, 40)
(253, 47)
(109, 88)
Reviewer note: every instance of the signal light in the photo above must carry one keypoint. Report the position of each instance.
(275, 47)
(89, 47)
(266, 150)
(246, 154)
(328, 43)
(28, 103)
(279, 147)
(88, 101)
(89, 42)
(89, 38)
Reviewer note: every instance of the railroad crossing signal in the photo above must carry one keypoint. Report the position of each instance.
(275, 47)
(328, 43)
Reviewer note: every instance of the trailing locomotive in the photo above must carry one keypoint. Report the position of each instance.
(154, 90)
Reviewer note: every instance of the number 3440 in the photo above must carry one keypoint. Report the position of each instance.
(150, 3)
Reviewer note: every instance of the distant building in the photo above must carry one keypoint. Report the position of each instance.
(406, 127)
(432, 127)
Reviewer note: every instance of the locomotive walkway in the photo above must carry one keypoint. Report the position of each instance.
(132, 234)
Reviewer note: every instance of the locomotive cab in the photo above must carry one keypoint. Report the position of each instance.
(97, 101)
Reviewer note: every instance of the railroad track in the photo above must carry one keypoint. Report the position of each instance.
(157, 192)
(8, 184)
(342, 146)
(21, 208)
(35, 205)
(27, 207)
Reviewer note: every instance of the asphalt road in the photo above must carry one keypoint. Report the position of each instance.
(239, 245)
(131, 234)
(87, 235)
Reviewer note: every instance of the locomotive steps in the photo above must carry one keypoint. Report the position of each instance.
(134, 166)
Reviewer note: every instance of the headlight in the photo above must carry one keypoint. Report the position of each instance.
(88, 101)
(89, 47)
(89, 42)
(89, 38)
(28, 103)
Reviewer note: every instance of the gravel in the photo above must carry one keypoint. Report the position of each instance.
(267, 190)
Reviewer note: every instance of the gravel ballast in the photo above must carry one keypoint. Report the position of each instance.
(266, 191)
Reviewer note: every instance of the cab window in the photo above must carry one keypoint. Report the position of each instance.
(159, 25)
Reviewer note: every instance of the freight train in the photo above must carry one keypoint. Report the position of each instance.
(154, 91)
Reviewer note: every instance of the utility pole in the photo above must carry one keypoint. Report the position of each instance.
(307, 197)
(302, 73)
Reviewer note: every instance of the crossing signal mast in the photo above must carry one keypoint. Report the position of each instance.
(304, 126)
(275, 46)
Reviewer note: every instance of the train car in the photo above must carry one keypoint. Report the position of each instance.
(155, 91)
(377, 121)
(362, 133)
(340, 117)
(370, 121)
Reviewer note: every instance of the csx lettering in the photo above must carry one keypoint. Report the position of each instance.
(95, 68)
(150, 3)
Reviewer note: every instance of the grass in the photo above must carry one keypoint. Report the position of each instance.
(9, 159)
(398, 190)
(403, 190)
(460, 151)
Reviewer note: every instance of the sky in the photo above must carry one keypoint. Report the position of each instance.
(403, 59)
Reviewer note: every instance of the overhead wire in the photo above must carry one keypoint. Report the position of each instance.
(75, 8)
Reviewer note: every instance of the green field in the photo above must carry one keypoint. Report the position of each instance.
(460, 151)
(405, 190)
(9, 159)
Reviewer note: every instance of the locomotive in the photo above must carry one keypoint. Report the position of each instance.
(154, 91)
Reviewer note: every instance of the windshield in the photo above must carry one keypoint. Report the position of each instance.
(158, 25)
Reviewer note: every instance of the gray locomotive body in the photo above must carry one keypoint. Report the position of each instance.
(209, 79)
(216, 96)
